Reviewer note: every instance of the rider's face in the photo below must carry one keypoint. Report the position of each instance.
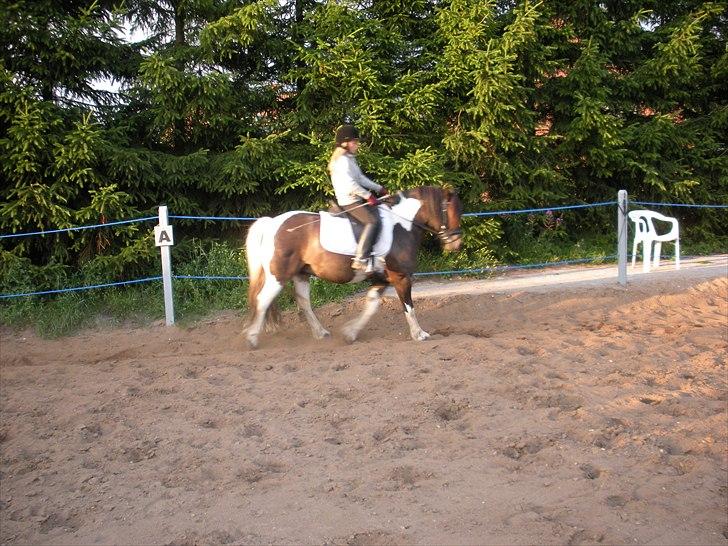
(352, 146)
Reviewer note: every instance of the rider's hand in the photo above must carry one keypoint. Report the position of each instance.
(372, 200)
(383, 192)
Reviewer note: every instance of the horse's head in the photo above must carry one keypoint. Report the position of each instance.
(440, 212)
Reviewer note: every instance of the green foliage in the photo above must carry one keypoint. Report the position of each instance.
(249, 24)
(480, 237)
(67, 313)
(57, 49)
(194, 297)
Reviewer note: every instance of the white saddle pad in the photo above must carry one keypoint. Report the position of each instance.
(337, 234)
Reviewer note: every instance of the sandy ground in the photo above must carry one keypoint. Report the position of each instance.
(580, 413)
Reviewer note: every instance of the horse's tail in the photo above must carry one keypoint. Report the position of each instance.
(254, 245)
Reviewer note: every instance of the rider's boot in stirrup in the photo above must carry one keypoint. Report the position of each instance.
(364, 249)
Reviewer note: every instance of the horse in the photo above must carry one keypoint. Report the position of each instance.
(288, 247)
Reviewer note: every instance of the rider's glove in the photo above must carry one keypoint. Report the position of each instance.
(383, 192)
(372, 200)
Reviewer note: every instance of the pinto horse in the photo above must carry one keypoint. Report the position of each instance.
(288, 247)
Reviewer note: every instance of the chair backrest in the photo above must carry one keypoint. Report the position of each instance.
(644, 225)
(642, 221)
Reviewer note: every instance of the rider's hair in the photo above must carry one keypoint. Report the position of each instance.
(338, 152)
(344, 134)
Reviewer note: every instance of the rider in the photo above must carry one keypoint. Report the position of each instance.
(354, 194)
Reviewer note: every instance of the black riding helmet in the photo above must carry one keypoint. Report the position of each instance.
(345, 133)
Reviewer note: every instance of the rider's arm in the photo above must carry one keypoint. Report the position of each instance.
(364, 181)
(349, 182)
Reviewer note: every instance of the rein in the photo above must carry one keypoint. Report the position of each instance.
(318, 218)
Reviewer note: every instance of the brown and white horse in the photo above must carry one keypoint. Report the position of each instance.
(288, 247)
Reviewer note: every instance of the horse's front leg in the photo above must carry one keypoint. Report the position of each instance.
(351, 329)
(302, 290)
(403, 285)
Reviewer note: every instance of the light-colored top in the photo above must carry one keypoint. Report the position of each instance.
(349, 182)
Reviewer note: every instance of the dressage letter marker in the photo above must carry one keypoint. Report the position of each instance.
(164, 238)
(622, 208)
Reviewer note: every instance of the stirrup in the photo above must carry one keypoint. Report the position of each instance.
(379, 264)
(360, 264)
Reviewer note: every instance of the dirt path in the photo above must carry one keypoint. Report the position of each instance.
(578, 414)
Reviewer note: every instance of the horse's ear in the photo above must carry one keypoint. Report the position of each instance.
(448, 192)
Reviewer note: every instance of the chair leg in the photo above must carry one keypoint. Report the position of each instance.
(677, 253)
(634, 252)
(657, 253)
(646, 255)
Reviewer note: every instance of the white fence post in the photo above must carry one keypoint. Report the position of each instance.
(622, 232)
(164, 238)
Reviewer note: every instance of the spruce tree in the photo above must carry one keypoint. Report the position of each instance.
(53, 54)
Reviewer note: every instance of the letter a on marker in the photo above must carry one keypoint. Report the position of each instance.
(163, 236)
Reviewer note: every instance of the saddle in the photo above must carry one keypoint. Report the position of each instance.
(340, 232)
(356, 225)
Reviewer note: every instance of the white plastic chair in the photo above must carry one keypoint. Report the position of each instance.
(646, 234)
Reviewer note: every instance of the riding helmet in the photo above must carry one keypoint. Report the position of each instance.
(345, 133)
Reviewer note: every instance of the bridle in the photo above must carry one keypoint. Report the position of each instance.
(447, 235)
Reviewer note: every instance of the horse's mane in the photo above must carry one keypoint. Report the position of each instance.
(430, 196)
(423, 192)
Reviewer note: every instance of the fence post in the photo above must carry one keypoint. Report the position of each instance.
(163, 238)
(622, 228)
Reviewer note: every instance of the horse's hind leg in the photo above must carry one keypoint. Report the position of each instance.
(302, 290)
(352, 328)
(271, 288)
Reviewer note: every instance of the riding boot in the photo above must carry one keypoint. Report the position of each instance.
(364, 248)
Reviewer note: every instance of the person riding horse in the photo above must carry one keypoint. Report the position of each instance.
(355, 194)
(288, 247)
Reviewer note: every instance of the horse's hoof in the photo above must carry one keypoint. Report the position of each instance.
(349, 337)
(323, 335)
(252, 343)
(421, 336)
